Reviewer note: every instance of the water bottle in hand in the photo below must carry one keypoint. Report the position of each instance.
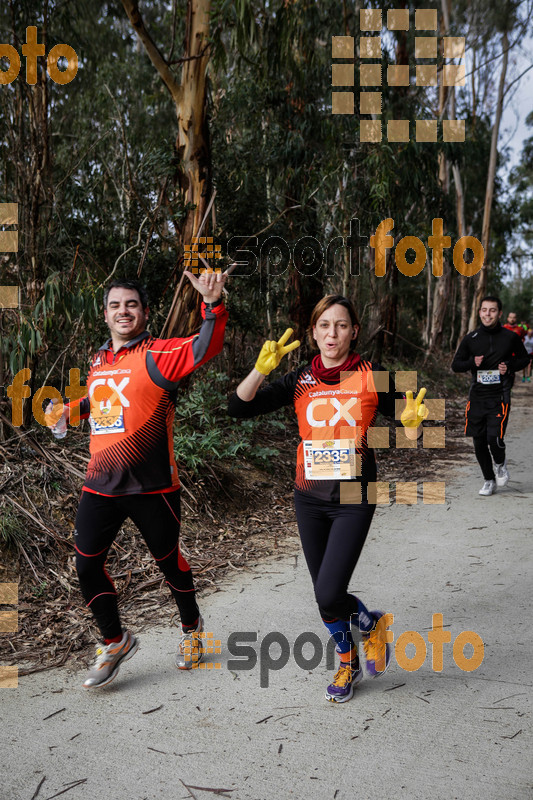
(59, 430)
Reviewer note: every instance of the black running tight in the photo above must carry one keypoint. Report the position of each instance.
(98, 522)
(483, 454)
(333, 536)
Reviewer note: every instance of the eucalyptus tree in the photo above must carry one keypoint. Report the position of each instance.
(497, 28)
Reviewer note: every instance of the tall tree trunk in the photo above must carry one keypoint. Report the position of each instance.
(461, 230)
(192, 143)
(27, 107)
(384, 309)
(441, 296)
(481, 284)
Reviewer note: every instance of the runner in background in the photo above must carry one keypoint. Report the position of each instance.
(132, 471)
(492, 353)
(512, 325)
(528, 344)
(336, 399)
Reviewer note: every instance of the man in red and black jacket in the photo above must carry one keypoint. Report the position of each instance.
(492, 354)
(132, 471)
(512, 325)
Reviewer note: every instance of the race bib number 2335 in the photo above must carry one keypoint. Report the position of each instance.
(329, 459)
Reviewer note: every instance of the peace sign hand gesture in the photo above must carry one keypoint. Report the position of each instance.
(415, 411)
(272, 353)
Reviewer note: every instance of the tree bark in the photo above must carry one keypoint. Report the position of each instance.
(461, 230)
(441, 295)
(192, 143)
(481, 283)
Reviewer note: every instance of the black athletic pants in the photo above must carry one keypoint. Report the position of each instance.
(333, 535)
(486, 422)
(483, 454)
(98, 522)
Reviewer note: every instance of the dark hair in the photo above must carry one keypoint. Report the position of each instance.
(134, 285)
(323, 305)
(492, 299)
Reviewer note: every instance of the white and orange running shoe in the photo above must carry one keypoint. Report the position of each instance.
(109, 657)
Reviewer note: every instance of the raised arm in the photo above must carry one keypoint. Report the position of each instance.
(246, 401)
(269, 358)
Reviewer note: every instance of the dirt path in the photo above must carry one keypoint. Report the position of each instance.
(159, 733)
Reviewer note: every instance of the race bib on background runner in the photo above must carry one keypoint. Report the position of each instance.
(330, 459)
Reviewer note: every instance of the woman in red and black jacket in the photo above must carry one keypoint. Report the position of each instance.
(336, 399)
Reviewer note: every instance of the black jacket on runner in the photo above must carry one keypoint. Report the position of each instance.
(497, 345)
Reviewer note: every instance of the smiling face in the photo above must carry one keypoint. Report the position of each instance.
(333, 334)
(124, 315)
(489, 313)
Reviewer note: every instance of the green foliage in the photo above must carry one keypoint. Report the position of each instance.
(205, 434)
(282, 164)
(13, 530)
(57, 310)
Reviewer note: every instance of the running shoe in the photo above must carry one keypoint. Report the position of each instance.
(377, 649)
(502, 474)
(109, 657)
(348, 675)
(488, 488)
(191, 649)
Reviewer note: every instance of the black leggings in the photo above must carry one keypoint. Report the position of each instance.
(481, 449)
(333, 535)
(98, 522)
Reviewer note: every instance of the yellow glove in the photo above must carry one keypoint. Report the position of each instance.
(272, 353)
(415, 411)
